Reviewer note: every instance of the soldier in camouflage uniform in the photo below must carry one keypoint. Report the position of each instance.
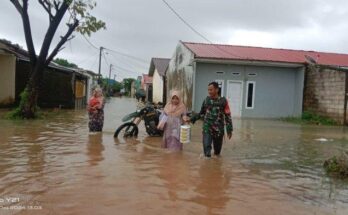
(215, 113)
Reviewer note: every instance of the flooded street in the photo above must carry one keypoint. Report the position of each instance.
(54, 166)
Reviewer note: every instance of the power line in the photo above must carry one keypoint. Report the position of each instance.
(195, 31)
(129, 63)
(87, 58)
(127, 70)
(118, 52)
(185, 22)
(129, 56)
(121, 69)
(89, 42)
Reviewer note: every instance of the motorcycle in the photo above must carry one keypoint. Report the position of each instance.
(150, 114)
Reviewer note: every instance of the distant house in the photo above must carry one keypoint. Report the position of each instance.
(146, 84)
(61, 86)
(92, 80)
(262, 82)
(157, 71)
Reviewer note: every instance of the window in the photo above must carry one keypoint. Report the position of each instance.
(252, 74)
(220, 72)
(221, 87)
(250, 95)
(236, 73)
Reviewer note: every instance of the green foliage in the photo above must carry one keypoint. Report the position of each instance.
(64, 62)
(309, 117)
(88, 24)
(127, 82)
(116, 87)
(17, 112)
(337, 166)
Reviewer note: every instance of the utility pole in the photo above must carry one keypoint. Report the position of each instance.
(108, 82)
(100, 54)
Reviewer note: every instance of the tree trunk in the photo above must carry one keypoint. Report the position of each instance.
(29, 98)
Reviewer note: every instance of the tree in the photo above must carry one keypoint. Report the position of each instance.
(64, 62)
(127, 83)
(80, 20)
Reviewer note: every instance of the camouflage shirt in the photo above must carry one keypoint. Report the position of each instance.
(216, 114)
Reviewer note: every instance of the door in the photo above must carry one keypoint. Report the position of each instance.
(234, 97)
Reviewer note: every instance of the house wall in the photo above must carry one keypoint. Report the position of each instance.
(324, 93)
(57, 89)
(180, 74)
(157, 85)
(7, 79)
(278, 90)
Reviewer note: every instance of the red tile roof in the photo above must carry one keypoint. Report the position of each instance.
(248, 53)
(147, 79)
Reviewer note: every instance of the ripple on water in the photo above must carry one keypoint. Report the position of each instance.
(270, 166)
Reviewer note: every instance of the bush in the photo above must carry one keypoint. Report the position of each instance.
(337, 166)
(311, 118)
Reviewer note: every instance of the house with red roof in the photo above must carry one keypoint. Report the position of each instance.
(157, 71)
(146, 84)
(262, 82)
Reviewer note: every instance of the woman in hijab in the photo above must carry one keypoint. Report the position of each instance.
(176, 113)
(95, 111)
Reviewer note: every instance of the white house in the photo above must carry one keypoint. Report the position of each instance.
(157, 71)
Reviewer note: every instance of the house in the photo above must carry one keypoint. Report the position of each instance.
(146, 84)
(60, 86)
(157, 71)
(261, 82)
(92, 80)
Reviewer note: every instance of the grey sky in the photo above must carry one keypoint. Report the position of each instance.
(147, 28)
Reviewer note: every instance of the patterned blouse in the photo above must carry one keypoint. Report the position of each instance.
(215, 114)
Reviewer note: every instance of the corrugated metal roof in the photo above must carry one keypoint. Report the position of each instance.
(248, 53)
(23, 55)
(161, 64)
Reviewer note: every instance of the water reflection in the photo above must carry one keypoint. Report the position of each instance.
(36, 158)
(212, 186)
(95, 148)
(174, 171)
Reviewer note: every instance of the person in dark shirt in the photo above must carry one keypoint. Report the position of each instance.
(215, 113)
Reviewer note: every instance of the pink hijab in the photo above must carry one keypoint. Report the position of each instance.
(175, 110)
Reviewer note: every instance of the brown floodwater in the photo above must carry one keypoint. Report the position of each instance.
(55, 166)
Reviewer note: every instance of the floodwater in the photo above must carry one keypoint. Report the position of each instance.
(54, 166)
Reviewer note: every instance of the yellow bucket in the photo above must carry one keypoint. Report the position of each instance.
(185, 134)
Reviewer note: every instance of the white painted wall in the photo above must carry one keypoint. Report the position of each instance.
(7, 79)
(157, 87)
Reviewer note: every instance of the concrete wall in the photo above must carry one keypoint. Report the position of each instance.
(157, 84)
(324, 93)
(278, 90)
(7, 79)
(180, 74)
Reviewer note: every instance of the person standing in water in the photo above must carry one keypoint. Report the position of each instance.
(215, 113)
(175, 110)
(95, 111)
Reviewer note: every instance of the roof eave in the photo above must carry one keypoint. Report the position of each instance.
(248, 62)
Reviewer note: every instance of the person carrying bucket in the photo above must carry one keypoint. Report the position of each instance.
(215, 113)
(173, 117)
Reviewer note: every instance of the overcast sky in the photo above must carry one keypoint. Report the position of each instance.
(147, 28)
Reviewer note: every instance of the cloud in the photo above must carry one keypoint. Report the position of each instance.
(148, 28)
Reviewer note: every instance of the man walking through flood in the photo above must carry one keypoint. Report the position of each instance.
(215, 113)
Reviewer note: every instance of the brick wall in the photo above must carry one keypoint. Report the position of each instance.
(324, 93)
